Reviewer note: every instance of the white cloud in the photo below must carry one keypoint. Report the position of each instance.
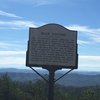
(43, 2)
(81, 42)
(16, 24)
(92, 58)
(84, 29)
(12, 45)
(12, 60)
(89, 63)
(95, 37)
(9, 53)
(37, 2)
(93, 33)
(3, 13)
(3, 44)
(12, 57)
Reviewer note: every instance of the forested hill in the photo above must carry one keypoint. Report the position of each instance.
(38, 90)
(72, 79)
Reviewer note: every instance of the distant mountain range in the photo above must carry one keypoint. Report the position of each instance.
(74, 78)
(3, 70)
(15, 70)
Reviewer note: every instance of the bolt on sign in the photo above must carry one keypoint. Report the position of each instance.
(52, 45)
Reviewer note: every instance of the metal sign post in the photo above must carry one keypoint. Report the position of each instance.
(51, 85)
(52, 81)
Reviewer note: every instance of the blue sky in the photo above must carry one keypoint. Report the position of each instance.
(16, 16)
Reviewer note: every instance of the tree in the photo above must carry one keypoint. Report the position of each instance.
(5, 83)
(88, 94)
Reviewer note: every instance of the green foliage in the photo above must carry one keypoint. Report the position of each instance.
(90, 93)
(16, 90)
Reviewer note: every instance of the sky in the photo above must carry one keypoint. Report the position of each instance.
(16, 16)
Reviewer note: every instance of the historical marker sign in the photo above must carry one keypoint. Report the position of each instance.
(52, 45)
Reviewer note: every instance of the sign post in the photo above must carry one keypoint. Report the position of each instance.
(52, 47)
(51, 85)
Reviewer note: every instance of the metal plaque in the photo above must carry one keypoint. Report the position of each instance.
(52, 45)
